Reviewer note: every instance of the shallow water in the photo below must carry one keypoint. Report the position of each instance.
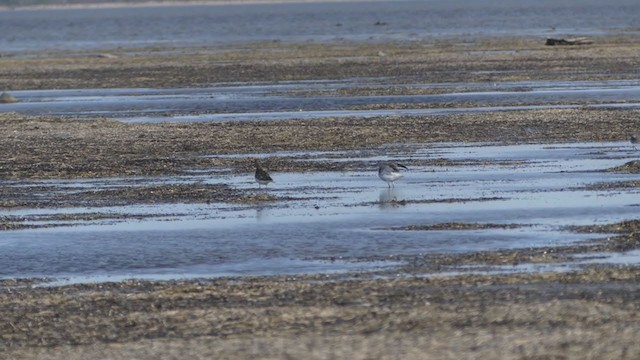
(342, 221)
(201, 25)
(283, 101)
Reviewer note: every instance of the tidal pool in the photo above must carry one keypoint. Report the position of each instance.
(337, 221)
(309, 100)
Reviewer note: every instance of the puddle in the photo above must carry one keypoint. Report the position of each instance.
(336, 214)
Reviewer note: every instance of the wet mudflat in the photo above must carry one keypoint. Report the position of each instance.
(481, 242)
(591, 314)
(218, 223)
(512, 235)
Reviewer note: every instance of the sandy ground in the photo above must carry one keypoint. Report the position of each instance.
(588, 314)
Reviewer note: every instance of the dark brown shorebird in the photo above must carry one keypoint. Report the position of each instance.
(262, 176)
(390, 172)
(633, 140)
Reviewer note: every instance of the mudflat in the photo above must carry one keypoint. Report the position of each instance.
(586, 313)
(481, 60)
(591, 314)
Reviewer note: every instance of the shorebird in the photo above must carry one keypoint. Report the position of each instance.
(262, 176)
(633, 140)
(390, 172)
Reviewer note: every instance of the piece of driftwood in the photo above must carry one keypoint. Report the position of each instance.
(572, 41)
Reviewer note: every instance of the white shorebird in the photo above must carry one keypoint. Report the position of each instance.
(262, 176)
(390, 172)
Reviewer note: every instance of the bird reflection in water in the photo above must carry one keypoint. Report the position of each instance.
(391, 198)
(263, 213)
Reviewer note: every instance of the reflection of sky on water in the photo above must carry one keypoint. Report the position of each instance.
(346, 215)
(280, 101)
